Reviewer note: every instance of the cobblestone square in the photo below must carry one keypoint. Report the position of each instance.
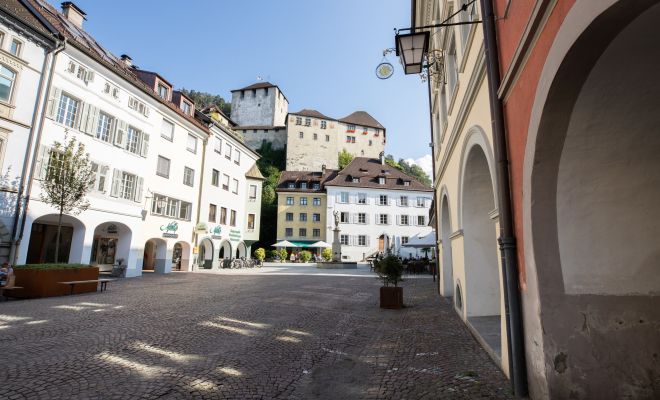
(258, 334)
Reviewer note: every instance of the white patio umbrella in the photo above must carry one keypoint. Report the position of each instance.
(421, 242)
(284, 243)
(320, 243)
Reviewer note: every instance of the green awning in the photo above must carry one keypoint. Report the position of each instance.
(302, 243)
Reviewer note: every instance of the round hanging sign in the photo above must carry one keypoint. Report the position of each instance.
(384, 70)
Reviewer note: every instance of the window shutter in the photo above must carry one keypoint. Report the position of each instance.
(389, 201)
(377, 218)
(89, 76)
(366, 218)
(368, 241)
(92, 120)
(120, 134)
(42, 162)
(114, 189)
(53, 103)
(71, 68)
(398, 220)
(145, 145)
(103, 173)
(113, 128)
(83, 116)
(138, 190)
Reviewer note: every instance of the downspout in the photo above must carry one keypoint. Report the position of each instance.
(199, 195)
(42, 103)
(435, 192)
(507, 240)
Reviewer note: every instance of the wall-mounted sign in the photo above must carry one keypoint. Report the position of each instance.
(112, 228)
(235, 235)
(216, 232)
(169, 230)
(195, 250)
(202, 227)
(384, 70)
(170, 235)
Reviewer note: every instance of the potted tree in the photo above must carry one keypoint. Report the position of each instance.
(326, 254)
(260, 254)
(390, 269)
(305, 256)
(283, 255)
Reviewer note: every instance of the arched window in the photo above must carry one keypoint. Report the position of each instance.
(458, 297)
(7, 78)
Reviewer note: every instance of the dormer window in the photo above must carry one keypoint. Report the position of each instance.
(303, 185)
(186, 107)
(355, 180)
(316, 186)
(381, 180)
(406, 183)
(291, 185)
(163, 91)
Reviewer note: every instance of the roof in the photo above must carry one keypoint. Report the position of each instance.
(215, 108)
(304, 176)
(258, 85)
(311, 113)
(368, 170)
(362, 118)
(248, 127)
(254, 173)
(23, 12)
(87, 44)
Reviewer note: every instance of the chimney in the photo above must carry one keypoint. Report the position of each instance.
(127, 60)
(323, 170)
(74, 14)
(382, 157)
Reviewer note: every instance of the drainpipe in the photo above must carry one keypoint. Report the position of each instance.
(507, 240)
(199, 195)
(435, 192)
(41, 103)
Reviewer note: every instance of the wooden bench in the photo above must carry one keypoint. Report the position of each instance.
(103, 282)
(9, 285)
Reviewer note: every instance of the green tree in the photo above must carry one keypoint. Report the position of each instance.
(283, 255)
(327, 254)
(204, 99)
(344, 158)
(68, 179)
(305, 256)
(271, 164)
(260, 254)
(413, 170)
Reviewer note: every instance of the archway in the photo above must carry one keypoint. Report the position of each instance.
(155, 255)
(43, 233)
(205, 257)
(225, 250)
(482, 283)
(181, 256)
(111, 245)
(593, 178)
(241, 250)
(447, 263)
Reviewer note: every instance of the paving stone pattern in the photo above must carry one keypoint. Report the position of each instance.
(187, 335)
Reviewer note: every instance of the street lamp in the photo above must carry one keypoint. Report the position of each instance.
(411, 47)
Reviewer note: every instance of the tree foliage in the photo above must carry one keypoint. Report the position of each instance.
(344, 158)
(67, 181)
(327, 254)
(260, 254)
(389, 269)
(305, 256)
(413, 170)
(271, 164)
(204, 99)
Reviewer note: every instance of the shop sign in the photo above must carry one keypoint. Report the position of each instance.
(235, 235)
(201, 227)
(216, 232)
(195, 249)
(112, 228)
(169, 230)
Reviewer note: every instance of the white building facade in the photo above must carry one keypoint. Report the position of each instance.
(379, 208)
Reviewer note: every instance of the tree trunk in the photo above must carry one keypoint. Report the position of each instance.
(57, 237)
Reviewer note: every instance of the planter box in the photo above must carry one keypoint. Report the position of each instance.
(44, 282)
(391, 297)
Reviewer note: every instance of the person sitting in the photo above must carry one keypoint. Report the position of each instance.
(5, 272)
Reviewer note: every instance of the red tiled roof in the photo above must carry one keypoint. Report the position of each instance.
(362, 118)
(368, 170)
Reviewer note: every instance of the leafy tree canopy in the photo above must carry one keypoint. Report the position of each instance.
(344, 159)
(204, 99)
(413, 170)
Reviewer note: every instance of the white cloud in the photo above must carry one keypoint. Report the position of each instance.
(425, 163)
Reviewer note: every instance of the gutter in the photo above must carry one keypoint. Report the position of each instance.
(61, 45)
(507, 240)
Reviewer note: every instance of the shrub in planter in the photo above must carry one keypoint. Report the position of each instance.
(327, 254)
(390, 269)
(42, 280)
(260, 254)
(305, 256)
(274, 254)
(283, 255)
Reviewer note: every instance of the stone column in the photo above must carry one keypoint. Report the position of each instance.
(336, 246)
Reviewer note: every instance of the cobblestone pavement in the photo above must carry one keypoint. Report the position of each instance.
(255, 336)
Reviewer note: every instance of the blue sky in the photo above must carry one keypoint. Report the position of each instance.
(321, 53)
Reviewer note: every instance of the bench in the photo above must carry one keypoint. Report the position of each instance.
(103, 282)
(10, 285)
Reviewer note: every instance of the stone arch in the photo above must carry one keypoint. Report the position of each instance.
(591, 202)
(41, 247)
(225, 250)
(205, 254)
(181, 256)
(241, 250)
(445, 238)
(155, 255)
(458, 297)
(111, 245)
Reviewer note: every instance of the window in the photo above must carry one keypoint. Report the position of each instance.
(163, 167)
(288, 232)
(350, 139)
(316, 186)
(356, 179)
(316, 217)
(404, 239)
(215, 177)
(382, 200)
(223, 216)
(316, 232)
(301, 135)
(138, 106)
(104, 127)
(381, 180)
(252, 192)
(421, 202)
(108, 88)
(163, 91)
(406, 183)
(234, 186)
(2, 38)
(291, 185)
(298, 120)
(316, 201)
(350, 128)
(242, 94)
(403, 201)
(99, 171)
(343, 239)
(323, 124)
(327, 138)
(289, 201)
(169, 207)
(7, 78)
(67, 110)
(303, 201)
(370, 142)
(167, 130)
(362, 198)
(362, 218)
(308, 121)
(382, 219)
(188, 176)
(217, 145)
(451, 67)
(212, 210)
(303, 185)
(133, 139)
(303, 217)
(403, 220)
(228, 148)
(15, 47)
(237, 157)
(302, 232)
(191, 144)
(343, 197)
(344, 217)
(362, 240)
(127, 186)
(232, 218)
(250, 222)
(186, 107)
(225, 181)
(289, 216)
(316, 136)
(421, 220)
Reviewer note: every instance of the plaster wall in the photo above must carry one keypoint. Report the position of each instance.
(309, 153)
(297, 209)
(258, 108)
(254, 140)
